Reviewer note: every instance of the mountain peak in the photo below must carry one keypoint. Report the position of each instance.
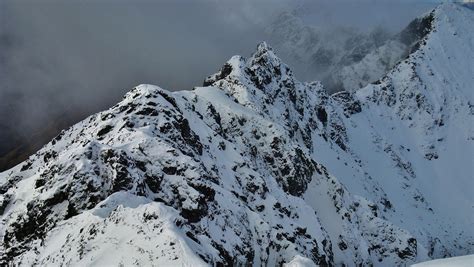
(265, 57)
(263, 47)
(258, 168)
(260, 67)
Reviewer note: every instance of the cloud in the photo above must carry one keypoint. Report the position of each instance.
(76, 57)
(80, 56)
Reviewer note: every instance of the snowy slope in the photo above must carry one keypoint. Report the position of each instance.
(462, 261)
(419, 121)
(257, 167)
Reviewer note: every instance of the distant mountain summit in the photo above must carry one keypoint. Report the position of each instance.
(258, 168)
(343, 58)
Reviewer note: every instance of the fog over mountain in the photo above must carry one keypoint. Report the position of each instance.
(257, 168)
(63, 60)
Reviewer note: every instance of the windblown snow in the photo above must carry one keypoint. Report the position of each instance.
(258, 168)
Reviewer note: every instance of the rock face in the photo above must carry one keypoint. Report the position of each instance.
(257, 168)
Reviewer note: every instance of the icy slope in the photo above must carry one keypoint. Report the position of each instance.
(257, 167)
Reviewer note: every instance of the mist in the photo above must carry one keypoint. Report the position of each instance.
(79, 56)
(63, 60)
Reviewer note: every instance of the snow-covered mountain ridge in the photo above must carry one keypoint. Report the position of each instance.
(258, 168)
(344, 59)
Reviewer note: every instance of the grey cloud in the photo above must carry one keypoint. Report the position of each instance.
(71, 58)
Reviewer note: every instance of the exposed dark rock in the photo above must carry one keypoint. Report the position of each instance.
(410, 251)
(416, 31)
(224, 72)
(147, 111)
(104, 130)
(322, 115)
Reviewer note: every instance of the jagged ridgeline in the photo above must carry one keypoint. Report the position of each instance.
(256, 168)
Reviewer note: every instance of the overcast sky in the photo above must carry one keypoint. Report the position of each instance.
(79, 56)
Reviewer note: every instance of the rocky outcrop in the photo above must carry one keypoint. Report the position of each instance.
(257, 168)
